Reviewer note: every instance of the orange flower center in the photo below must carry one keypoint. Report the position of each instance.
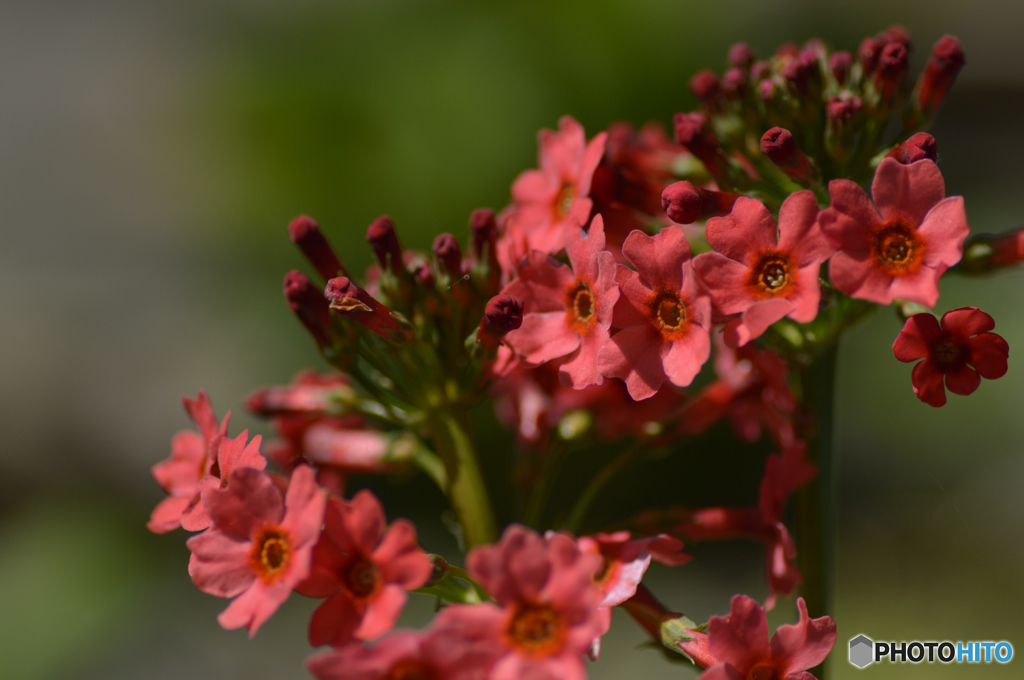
(537, 629)
(271, 552)
(898, 247)
(763, 671)
(667, 311)
(772, 274)
(363, 577)
(409, 669)
(563, 201)
(580, 303)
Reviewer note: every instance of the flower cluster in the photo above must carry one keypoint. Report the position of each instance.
(638, 290)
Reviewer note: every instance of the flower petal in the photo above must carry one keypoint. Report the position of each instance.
(907, 191)
(806, 643)
(989, 353)
(915, 341)
(927, 383)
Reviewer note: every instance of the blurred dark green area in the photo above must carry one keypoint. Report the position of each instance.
(151, 155)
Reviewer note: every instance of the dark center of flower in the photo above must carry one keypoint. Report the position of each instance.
(563, 202)
(763, 671)
(667, 311)
(536, 629)
(409, 669)
(580, 304)
(898, 247)
(948, 353)
(270, 553)
(772, 274)
(363, 577)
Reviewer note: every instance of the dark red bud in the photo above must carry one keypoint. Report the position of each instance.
(309, 305)
(449, 255)
(842, 108)
(868, 52)
(701, 142)
(503, 314)
(787, 49)
(800, 70)
(778, 144)
(893, 62)
(741, 55)
(840, 64)
(899, 34)
(760, 70)
(706, 87)
(734, 82)
(384, 241)
(685, 203)
(766, 90)
(940, 73)
(920, 146)
(354, 303)
(305, 233)
(484, 228)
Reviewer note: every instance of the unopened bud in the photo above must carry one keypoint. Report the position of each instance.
(780, 147)
(701, 142)
(840, 64)
(384, 241)
(868, 52)
(740, 55)
(898, 34)
(685, 203)
(305, 233)
(734, 82)
(841, 109)
(503, 314)
(706, 87)
(308, 304)
(449, 255)
(939, 74)
(919, 147)
(354, 303)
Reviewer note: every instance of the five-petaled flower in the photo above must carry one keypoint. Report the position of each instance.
(898, 247)
(959, 349)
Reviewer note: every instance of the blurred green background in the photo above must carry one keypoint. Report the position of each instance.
(153, 152)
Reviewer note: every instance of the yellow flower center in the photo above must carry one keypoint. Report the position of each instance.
(271, 552)
(580, 305)
(537, 629)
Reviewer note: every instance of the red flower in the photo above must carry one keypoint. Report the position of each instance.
(545, 201)
(740, 643)
(568, 311)
(192, 455)
(363, 569)
(762, 272)
(260, 545)
(664, 315)
(959, 349)
(898, 247)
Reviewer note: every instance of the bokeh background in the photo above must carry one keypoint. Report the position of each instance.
(151, 154)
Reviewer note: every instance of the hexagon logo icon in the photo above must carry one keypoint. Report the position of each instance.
(862, 651)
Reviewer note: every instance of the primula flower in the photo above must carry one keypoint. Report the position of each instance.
(664, 314)
(547, 200)
(260, 545)
(899, 246)
(740, 643)
(762, 272)
(192, 454)
(567, 311)
(230, 454)
(959, 349)
(440, 654)
(546, 617)
(364, 569)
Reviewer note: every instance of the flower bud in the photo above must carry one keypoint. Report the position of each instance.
(939, 74)
(449, 255)
(840, 64)
(384, 241)
(734, 82)
(503, 314)
(892, 67)
(305, 233)
(741, 56)
(685, 203)
(707, 88)
(306, 301)
(701, 142)
(354, 303)
(780, 147)
(919, 147)
(867, 54)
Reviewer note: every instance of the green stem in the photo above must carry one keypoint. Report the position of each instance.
(597, 484)
(815, 503)
(538, 500)
(452, 441)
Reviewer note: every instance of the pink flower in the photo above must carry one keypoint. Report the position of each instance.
(762, 272)
(960, 349)
(440, 654)
(364, 570)
(192, 454)
(546, 617)
(898, 247)
(624, 561)
(547, 200)
(230, 454)
(260, 545)
(740, 643)
(568, 311)
(664, 315)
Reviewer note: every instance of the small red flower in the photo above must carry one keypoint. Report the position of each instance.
(364, 569)
(960, 349)
(740, 643)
